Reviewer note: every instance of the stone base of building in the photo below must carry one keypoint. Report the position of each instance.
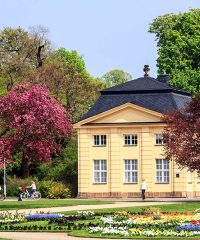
(138, 195)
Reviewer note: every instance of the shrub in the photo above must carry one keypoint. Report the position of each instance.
(14, 183)
(48, 188)
(44, 187)
(59, 190)
(63, 168)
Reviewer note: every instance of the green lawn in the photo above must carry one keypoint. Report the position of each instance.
(180, 207)
(12, 205)
(84, 233)
(48, 203)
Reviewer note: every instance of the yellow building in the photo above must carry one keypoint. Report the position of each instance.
(120, 142)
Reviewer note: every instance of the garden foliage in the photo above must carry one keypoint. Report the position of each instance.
(58, 190)
(182, 135)
(121, 224)
(48, 188)
(178, 41)
(32, 124)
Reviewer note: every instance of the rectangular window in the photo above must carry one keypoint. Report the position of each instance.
(99, 140)
(100, 171)
(131, 171)
(159, 139)
(130, 139)
(162, 171)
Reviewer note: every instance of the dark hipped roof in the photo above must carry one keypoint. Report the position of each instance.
(142, 84)
(146, 92)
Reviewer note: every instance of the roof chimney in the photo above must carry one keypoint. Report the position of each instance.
(164, 78)
(146, 70)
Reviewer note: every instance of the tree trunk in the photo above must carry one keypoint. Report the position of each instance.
(25, 168)
(9, 84)
(39, 58)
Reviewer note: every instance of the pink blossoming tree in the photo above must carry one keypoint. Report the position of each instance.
(32, 124)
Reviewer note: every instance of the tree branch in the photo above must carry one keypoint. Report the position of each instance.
(4, 132)
(39, 59)
(10, 82)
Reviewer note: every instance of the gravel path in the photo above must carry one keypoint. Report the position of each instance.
(34, 236)
(41, 236)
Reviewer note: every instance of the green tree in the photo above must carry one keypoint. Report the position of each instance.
(63, 168)
(21, 51)
(67, 78)
(27, 56)
(188, 79)
(115, 77)
(178, 42)
(76, 92)
(72, 58)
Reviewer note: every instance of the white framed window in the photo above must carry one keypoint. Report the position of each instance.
(100, 171)
(162, 171)
(130, 171)
(99, 140)
(159, 139)
(130, 139)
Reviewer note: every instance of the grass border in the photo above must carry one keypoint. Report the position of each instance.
(76, 233)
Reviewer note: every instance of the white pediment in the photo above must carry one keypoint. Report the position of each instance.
(128, 114)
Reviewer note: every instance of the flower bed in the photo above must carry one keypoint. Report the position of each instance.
(81, 215)
(44, 216)
(150, 225)
(123, 224)
(6, 218)
(49, 221)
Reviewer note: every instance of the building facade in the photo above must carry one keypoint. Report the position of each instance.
(120, 142)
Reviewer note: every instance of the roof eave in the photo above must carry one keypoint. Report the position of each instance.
(103, 92)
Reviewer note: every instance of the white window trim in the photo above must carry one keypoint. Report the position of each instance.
(130, 170)
(162, 141)
(106, 171)
(100, 138)
(130, 140)
(164, 182)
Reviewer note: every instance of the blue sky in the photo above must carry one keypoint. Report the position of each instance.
(109, 34)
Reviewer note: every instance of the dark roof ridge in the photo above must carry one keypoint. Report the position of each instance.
(148, 93)
(122, 84)
(143, 85)
(154, 79)
(174, 102)
(151, 91)
(180, 93)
